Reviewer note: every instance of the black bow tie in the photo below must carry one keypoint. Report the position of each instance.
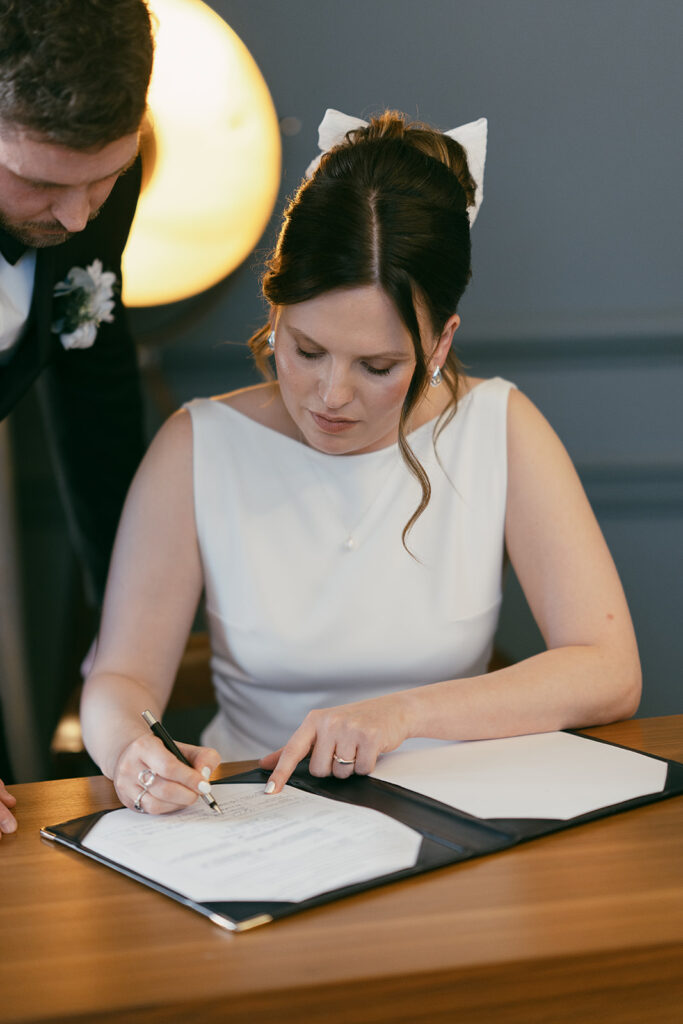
(10, 247)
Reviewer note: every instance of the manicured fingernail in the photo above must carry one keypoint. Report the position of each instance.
(270, 788)
(204, 787)
(206, 771)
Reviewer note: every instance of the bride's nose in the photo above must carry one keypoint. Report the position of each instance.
(335, 387)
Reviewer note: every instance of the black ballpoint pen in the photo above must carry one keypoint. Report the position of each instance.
(159, 731)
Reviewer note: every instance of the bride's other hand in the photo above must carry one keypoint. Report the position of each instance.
(148, 773)
(341, 740)
(8, 823)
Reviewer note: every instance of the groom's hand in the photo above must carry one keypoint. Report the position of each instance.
(8, 823)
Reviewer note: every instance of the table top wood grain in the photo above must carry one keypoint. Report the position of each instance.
(584, 925)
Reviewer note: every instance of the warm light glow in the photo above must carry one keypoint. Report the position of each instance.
(216, 172)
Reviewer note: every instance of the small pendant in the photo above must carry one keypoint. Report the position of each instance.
(350, 543)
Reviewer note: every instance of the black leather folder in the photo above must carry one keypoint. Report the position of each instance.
(448, 836)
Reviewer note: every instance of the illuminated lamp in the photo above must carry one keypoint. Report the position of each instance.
(211, 158)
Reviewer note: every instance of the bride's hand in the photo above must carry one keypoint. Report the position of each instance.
(148, 778)
(341, 740)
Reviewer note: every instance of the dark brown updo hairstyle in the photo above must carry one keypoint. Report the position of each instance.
(388, 206)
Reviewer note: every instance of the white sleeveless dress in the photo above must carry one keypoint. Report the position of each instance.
(311, 598)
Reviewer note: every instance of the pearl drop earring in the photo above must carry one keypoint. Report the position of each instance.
(436, 377)
(271, 341)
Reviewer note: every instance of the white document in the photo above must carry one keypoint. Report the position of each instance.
(545, 775)
(290, 846)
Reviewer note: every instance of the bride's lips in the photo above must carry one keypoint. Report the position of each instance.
(331, 424)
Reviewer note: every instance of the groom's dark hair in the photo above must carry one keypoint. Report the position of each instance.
(74, 72)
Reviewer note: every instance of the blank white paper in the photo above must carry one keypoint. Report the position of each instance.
(546, 775)
(290, 846)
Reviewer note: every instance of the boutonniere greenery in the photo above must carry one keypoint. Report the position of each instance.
(83, 301)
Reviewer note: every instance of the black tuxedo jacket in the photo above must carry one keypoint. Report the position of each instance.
(91, 397)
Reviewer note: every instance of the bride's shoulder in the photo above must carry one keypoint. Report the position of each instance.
(261, 403)
(467, 384)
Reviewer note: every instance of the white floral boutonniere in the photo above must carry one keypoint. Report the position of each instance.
(83, 301)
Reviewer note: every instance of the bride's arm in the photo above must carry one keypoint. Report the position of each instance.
(154, 585)
(590, 673)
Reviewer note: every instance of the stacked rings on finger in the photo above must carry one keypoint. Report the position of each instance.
(343, 760)
(145, 777)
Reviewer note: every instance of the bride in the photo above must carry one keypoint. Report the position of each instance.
(348, 520)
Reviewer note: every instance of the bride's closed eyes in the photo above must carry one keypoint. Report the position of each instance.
(375, 371)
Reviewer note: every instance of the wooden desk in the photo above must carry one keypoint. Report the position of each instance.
(581, 926)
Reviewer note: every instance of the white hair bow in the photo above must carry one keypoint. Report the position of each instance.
(472, 137)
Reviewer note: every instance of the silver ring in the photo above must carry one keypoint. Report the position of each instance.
(146, 777)
(138, 801)
(343, 760)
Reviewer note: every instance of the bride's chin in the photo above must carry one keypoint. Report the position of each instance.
(330, 444)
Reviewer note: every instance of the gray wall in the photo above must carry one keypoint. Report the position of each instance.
(578, 256)
(580, 234)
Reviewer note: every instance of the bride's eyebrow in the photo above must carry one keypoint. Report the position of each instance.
(392, 354)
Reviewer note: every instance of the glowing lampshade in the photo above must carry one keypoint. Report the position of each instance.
(217, 156)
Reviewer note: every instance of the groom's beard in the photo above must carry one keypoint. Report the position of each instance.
(38, 234)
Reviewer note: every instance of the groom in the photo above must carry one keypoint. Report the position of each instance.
(73, 86)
